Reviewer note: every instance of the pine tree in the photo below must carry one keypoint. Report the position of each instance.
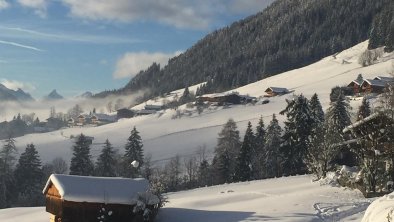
(29, 177)
(317, 112)
(7, 182)
(134, 152)
(243, 171)
(298, 128)
(272, 145)
(106, 162)
(226, 150)
(81, 163)
(258, 152)
(338, 117)
(364, 110)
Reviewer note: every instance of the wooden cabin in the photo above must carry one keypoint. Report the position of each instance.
(373, 86)
(276, 91)
(154, 107)
(94, 120)
(84, 199)
(230, 98)
(125, 113)
(356, 86)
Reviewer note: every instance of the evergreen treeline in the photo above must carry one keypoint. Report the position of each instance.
(382, 32)
(288, 34)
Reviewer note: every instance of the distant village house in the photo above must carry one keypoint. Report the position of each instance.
(275, 91)
(230, 98)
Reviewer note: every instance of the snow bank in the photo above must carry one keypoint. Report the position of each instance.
(381, 210)
(108, 190)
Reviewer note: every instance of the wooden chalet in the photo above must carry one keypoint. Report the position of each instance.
(125, 113)
(373, 86)
(81, 120)
(94, 120)
(154, 107)
(276, 91)
(85, 199)
(230, 98)
(356, 86)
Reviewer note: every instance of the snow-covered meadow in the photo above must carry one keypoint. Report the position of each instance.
(281, 199)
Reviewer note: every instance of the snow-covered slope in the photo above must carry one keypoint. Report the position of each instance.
(164, 137)
(282, 199)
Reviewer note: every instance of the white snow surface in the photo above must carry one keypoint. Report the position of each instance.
(380, 210)
(108, 190)
(294, 198)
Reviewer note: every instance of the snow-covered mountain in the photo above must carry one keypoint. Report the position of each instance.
(7, 94)
(54, 95)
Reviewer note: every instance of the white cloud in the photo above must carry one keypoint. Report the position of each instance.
(4, 4)
(15, 85)
(179, 13)
(249, 6)
(131, 63)
(39, 6)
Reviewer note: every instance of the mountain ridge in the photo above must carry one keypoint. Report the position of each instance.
(288, 34)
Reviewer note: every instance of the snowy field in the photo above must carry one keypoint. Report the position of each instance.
(283, 199)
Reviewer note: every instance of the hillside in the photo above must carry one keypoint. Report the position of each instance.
(288, 34)
(161, 133)
(281, 199)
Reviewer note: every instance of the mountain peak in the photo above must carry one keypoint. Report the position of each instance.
(54, 95)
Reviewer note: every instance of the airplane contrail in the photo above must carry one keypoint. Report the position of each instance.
(21, 45)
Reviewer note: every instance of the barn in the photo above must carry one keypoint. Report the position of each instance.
(87, 199)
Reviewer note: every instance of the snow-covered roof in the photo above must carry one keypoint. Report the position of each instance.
(384, 78)
(277, 90)
(374, 82)
(356, 82)
(108, 190)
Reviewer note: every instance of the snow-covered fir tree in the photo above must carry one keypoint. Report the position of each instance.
(322, 147)
(272, 155)
(337, 118)
(29, 177)
(317, 112)
(258, 150)
(298, 127)
(226, 150)
(81, 162)
(133, 152)
(243, 171)
(7, 183)
(106, 162)
(364, 109)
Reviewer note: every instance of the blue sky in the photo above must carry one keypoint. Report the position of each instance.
(92, 45)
